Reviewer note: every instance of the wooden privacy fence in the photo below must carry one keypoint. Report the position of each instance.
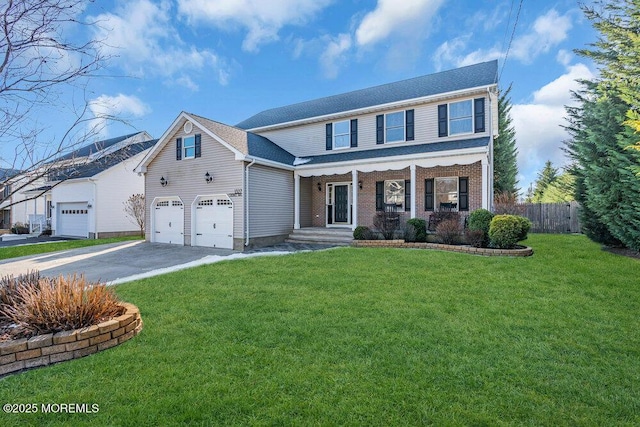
(553, 217)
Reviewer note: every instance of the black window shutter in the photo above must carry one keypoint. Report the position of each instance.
(354, 133)
(379, 195)
(198, 144)
(179, 149)
(409, 133)
(407, 195)
(442, 120)
(329, 128)
(463, 194)
(428, 194)
(380, 129)
(479, 114)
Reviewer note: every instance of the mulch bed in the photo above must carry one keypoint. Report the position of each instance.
(622, 251)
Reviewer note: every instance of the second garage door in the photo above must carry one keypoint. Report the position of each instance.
(213, 222)
(73, 219)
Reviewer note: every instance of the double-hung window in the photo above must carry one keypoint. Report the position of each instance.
(460, 117)
(394, 127)
(447, 192)
(341, 135)
(189, 147)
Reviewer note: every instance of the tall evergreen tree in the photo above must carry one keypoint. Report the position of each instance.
(618, 52)
(505, 153)
(605, 182)
(546, 177)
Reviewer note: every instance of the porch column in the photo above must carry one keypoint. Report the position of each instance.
(414, 196)
(354, 199)
(485, 184)
(296, 201)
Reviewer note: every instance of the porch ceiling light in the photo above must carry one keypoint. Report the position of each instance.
(208, 178)
(319, 187)
(163, 182)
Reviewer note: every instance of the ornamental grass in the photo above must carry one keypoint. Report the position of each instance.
(32, 305)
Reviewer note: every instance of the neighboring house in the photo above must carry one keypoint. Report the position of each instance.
(16, 206)
(412, 146)
(82, 193)
(5, 197)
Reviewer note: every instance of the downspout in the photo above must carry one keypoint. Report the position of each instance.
(246, 202)
(93, 206)
(490, 172)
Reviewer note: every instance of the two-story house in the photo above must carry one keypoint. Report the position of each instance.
(417, 145)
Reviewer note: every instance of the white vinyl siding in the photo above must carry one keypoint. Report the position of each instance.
(271, 201)
(187, 179)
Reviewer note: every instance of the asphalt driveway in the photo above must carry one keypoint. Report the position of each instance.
(114, 262)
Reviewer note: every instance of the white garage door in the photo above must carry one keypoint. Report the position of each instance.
(73, 219)
(168, 221)
(213, 222)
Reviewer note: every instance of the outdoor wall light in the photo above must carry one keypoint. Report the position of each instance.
(360, 184)
(208, 178)
(163, 182)
(319, 187)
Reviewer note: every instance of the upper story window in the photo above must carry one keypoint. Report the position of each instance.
(6, 191)
(188, 147)
(343, 134)
(462, 117)
(395, 127)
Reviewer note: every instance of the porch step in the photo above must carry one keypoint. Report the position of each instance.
(322, 236)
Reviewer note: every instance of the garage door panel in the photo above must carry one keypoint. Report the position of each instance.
(213, 222)
(73, 219)
(168, 221)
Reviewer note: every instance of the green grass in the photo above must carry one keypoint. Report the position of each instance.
(368, 337)
(41, 248)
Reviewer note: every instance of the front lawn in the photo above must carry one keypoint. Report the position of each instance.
(368, 337)
(41, 248)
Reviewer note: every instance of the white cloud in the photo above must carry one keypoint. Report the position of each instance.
(334, 55)
(262, 19)
(538, 124)
(391, 16)
(143, 38)
(547, 32)
(121, 107)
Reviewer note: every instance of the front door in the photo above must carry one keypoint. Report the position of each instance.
(341, 204)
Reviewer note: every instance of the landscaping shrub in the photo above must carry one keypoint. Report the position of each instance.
(361, 232)
(476, 238)
(437, 217)
(506, 203)
(507, 230)
(480, 220)
(387, 223)
(449, 231)
(419, 229)
(41, 306)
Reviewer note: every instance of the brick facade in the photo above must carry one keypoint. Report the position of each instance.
(367, 196)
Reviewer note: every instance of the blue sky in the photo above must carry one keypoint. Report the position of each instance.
(228, 59)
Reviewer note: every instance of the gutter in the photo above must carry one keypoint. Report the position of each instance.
(246, 202)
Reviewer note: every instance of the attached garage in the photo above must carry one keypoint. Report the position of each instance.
(73, 219)
(168, 221)
(213, 221)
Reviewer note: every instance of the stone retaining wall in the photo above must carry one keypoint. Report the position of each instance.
(518, 252)
(46, 349)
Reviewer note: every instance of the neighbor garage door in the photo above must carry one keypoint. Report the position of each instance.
(213, 222)
(73, 219)
(168, 221)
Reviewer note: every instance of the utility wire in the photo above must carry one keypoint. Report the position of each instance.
(513, 32)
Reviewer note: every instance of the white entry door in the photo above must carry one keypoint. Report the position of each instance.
(213, 222)
(168, 221)
(73, 219)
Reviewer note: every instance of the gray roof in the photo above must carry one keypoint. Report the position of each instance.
(88, 170)
(94, 147)
(6, 174)
(262, 147)
(483, 74)
(399, 150)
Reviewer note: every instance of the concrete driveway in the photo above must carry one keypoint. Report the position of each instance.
(116, 262)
